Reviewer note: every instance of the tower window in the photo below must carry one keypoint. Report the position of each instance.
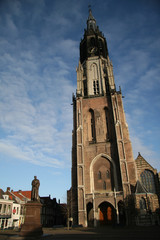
(95, 81)
(107, 122)
(107, 174)
(97, 84)
(104, 185)
(100, 46)
(85, 87)
(99, 175)
(96, 87)
(93, 130)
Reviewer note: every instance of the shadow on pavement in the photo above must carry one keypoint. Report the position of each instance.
(108, 233)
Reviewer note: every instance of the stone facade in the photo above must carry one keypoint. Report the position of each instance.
(104, 174)
(147, 196)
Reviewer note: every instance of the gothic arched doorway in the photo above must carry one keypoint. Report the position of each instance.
(106, 214)
(90, 214)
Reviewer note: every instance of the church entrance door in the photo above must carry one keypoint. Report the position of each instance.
(106, 214)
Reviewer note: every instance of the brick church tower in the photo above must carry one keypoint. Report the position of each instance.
(103, 168)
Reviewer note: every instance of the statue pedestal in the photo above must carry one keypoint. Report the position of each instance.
(32, 223)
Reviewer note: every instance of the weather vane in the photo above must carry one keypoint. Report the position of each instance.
(89, 7)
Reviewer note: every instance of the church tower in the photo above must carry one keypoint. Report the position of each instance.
(103, 168)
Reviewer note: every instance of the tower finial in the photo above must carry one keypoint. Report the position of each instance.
(89, 7)
(91, 22)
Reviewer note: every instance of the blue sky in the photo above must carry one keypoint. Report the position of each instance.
(39, 52)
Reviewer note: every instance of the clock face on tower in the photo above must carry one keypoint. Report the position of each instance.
(92, 50)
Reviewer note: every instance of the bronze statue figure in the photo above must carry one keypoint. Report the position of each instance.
(35, 189)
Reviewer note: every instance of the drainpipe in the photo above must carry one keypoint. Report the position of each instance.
(116, 207)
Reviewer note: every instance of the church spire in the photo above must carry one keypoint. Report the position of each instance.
(91, 22)
(94, 42)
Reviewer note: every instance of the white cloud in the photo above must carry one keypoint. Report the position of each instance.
(25, 153)
(35, 110)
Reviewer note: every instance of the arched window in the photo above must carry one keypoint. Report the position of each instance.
(147, 179)
(104, 185)
(142, 203)
(96, 87)
(107, 174)
(99, 175)
(95, 80)
(107, 122)
(100, 46)
(93, 131)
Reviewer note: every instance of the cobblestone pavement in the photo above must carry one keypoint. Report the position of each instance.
(108, 233)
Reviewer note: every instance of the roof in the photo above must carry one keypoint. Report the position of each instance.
(1, 193)
(19, 195)
(26, 194)
(140, 188)
(141, 163)
(22, 194)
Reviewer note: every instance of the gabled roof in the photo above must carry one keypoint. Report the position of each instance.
(140, 188)
(142, 163)
(11, 196)
(26, 194)
(22, 195)
(19, 195)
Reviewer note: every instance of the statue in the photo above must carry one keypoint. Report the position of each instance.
(35, 189)
(32, 226)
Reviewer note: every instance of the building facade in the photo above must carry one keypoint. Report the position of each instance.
(6, 206)
(147, 193)
(12, 208)
(104, 173)
(53, 213)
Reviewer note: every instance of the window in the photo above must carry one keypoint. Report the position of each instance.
(99, 175)
(6, 223)
(107, 121)
(85, 87)
(147, 179)
(0, 207)
(95, 77)
(4, 209)
(142, 203)
(21, 210)
(107, 174)
(93, 131)
(100, 46)
(104, 185)
(14, 210)
(96, 87)
(9, 209)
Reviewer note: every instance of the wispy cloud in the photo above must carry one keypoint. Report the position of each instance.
(36, 89)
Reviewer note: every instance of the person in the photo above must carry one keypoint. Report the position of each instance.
(35, 189)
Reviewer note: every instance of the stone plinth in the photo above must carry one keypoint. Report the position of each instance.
(32, 224)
